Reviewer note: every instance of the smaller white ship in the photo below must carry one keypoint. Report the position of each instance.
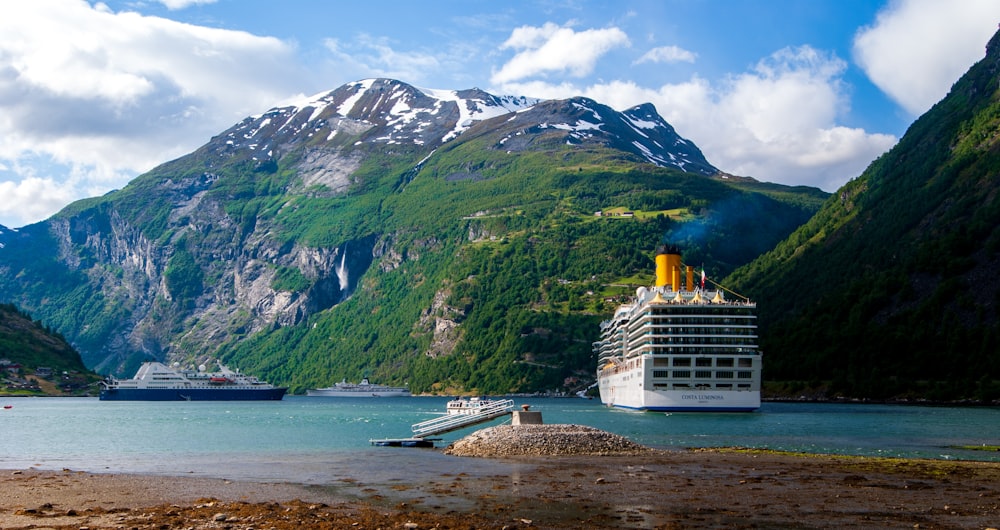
(473, 405)
(363, 389)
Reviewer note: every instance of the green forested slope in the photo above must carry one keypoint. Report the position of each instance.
(891, 290)
(32, 345)
(527, 293)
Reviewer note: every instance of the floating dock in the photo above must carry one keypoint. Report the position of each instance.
(404, 442)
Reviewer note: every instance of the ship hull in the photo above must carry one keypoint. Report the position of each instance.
(192, 394)
(682, 400)
(626, 390)
(320, 392)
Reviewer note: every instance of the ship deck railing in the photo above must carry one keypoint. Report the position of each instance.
(454, 422)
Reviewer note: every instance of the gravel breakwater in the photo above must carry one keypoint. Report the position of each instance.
(544, 440)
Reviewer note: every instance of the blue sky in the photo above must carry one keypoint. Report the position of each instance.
(808, 92)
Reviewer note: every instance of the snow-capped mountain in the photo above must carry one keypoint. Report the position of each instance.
(390, 112)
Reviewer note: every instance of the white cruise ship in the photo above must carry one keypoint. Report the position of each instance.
(679, 347)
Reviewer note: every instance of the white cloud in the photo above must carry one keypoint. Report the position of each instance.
(556, 49)
(667, 54)
(366, 56)
(109, 95)
(917, 49)
(776, 122)
(181, 4)
(32, 199)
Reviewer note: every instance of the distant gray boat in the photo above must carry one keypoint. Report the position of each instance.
(363, 389)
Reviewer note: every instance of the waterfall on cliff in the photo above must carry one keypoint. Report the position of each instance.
(341, 271)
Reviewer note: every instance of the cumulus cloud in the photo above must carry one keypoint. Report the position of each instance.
(556, 49)
(367, 56)
(32, 197)
(667, 54)
(917, 49)
(110, 95)
(776, 122)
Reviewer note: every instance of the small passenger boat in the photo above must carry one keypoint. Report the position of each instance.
(468, 405)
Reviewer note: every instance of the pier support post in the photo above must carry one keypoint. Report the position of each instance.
(524, 417)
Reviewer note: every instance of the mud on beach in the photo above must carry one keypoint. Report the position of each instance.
(685, 489)
(620, 486)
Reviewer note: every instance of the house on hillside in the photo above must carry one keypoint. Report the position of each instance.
(9, 366)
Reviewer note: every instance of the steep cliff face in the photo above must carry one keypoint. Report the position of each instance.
(199, 283)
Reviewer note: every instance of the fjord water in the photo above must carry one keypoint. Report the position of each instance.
(316, 440)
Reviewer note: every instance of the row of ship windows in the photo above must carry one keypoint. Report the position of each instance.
(697, 349)
(672, 319)
(696, 321)
(700, 331)
(703, 374)
(688, 347)
(749, 339)
(698, 362)
(681, 354)
(685, 386)
(706, 362)
(666, 331)
(675, 346)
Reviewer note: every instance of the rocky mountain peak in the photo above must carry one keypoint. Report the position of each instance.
(583, 121)
(390, 112)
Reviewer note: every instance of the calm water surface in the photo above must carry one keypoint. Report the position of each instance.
(318, 440)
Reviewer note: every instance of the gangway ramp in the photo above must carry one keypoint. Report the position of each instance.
(454, 422)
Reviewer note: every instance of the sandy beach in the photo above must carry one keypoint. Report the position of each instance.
(671, 489)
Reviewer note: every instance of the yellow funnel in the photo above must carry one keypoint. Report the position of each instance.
(668, 267)
(661, 270)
